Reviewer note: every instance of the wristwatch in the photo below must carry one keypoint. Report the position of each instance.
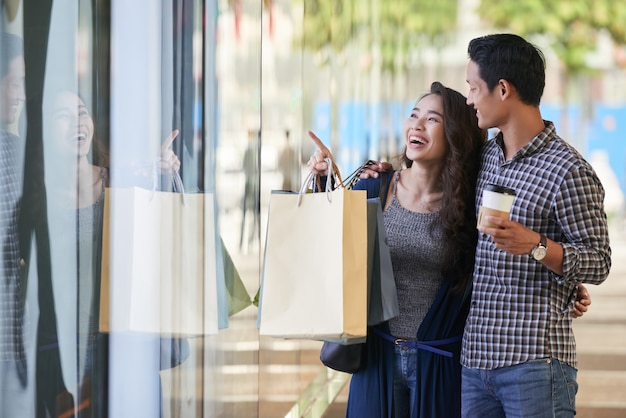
(540, 250)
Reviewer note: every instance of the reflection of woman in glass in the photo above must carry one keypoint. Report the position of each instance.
(76, 179)
(13, 364)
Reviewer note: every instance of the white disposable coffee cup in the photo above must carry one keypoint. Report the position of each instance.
(497, 201)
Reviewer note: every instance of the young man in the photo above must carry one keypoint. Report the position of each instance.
(519, 356)
(13, 372)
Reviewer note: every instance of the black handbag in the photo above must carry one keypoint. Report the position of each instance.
(344, 358)
(350, 358)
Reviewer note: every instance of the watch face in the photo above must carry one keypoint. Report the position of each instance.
(539, 253)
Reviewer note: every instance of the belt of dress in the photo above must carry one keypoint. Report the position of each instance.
(422, 345)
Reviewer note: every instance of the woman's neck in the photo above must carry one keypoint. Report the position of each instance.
(420, 189)
(83, 187)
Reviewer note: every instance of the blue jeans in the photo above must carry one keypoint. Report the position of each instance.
(538, 388)
(404, 381)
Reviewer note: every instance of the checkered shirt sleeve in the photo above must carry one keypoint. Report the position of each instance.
(11, 309)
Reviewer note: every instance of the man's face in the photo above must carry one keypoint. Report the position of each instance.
(487, 104)
(12, 91)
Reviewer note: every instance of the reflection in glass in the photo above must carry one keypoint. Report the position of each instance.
(79, 370)
(77, 207)
(15, 367)
(75, 176)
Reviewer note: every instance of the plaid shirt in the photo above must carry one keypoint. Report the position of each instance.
(11, 309)
(520, 310)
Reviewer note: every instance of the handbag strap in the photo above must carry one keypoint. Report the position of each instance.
(354, 177)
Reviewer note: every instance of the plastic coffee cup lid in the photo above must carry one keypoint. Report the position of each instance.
(500, 189)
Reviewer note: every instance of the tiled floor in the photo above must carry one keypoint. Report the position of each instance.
(265, 378)
(271, 378)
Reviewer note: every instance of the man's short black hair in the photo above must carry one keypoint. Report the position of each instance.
(512, 58)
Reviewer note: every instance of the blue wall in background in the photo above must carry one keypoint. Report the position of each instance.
(363, 126)
(608, 132)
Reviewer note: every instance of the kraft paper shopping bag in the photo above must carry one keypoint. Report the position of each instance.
(314, 282)
(162, 267)
(382, 297)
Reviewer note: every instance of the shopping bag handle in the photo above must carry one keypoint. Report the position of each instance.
(313, 179)
(177, 181)
(333, 171)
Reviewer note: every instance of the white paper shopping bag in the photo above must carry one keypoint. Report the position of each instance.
(314, 282)
(162, 268)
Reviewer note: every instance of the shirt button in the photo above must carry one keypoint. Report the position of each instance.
(22, 262)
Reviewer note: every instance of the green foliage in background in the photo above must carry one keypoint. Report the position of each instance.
(389, 27)
(396, 28)
(571, 26)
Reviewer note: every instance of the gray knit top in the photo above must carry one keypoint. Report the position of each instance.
(89, 236)
(417, 251)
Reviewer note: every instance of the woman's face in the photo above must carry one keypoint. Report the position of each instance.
(72, 124)
(423, 131)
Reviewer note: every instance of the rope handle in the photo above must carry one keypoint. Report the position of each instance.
(314, 180)
(334, 172)
(177, 181)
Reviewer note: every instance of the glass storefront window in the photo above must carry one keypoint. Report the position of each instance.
(119, 307)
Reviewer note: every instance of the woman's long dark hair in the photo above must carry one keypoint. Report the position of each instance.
(458, 179)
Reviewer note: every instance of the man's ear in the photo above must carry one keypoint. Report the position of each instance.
(505, 89)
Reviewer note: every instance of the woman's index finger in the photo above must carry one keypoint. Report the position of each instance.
(320, 145)
(168, 141)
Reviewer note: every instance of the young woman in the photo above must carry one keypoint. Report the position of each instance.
(77, 174)
(413, 365)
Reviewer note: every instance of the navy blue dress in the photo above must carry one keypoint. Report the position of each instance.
(439, 381)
